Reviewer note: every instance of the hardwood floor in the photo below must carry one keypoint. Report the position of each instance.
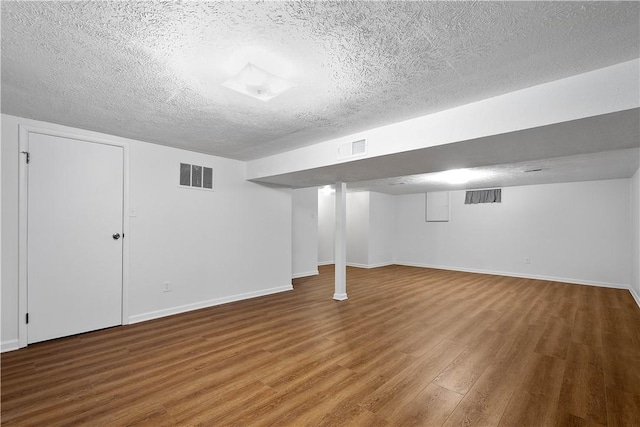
(411, 347)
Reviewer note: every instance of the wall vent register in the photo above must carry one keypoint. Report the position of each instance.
(194, 176)
(352, 149)
(483, 196)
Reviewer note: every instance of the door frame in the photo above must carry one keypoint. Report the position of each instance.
(63, 132)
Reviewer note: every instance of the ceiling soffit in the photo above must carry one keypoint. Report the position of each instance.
(593, 140)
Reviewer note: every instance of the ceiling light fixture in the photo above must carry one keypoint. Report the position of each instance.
(258, 83)
(457, 176)
(327, 189)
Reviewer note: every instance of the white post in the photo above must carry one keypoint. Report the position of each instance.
(341, 242)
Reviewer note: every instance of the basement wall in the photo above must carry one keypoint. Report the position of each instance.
(358, 229)
(382, 223)
(326, 227)
(213, 246)
(571, 232)
(635, 236)
(370, 228)
(304, 234)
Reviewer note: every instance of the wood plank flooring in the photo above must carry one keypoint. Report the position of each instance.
(411, 347)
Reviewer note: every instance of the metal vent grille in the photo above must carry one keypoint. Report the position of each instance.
(352, 149)
(194, 176)
(359, 147)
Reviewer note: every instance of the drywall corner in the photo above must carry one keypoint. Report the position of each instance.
(635, 236)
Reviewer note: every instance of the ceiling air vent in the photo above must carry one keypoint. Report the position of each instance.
(353, 149)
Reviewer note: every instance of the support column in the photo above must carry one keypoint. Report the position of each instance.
(340, 239)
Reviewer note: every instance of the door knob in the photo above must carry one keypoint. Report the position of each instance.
(116, 236)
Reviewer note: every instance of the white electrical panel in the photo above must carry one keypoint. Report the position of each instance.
(437, 206)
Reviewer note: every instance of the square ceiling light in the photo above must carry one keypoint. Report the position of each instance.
(258, 83)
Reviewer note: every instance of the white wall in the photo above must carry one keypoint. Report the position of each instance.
(1, 227)
(9, 284)
(232, 243)
(382, 211)
(326, 227)
(358, 229)
(370, 228)
(573, 232)
(635, 236)
(304, 234)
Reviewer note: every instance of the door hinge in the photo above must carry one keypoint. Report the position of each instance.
(27, 156)
(27, 318)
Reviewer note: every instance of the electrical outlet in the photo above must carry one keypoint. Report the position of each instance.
(167, 287)
(527, 260)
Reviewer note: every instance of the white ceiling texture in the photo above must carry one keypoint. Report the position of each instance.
(153, 71)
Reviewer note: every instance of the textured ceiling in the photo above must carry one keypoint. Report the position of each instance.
(152, 70)
(585, 167)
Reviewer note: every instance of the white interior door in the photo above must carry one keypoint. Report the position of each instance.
(74, 263)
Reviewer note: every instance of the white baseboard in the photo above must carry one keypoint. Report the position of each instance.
(635, 295)
(355, 264)
(381, 264)
(9, 345)
(204, 304)
(305, 274)
(358, 265)
(520, 275)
